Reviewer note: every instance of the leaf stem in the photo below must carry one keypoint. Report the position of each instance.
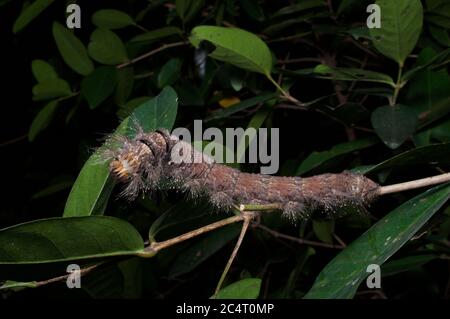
(398, 85)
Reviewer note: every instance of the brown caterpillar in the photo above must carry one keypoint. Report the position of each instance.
(159, 160)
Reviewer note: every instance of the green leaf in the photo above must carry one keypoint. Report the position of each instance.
(235, 46)
(427, 94)
(111, 19)
(64, 239)
(50, 89)
(394, 124)
(255, 122)
(176, 215)
(195, 254)
(98, 85)
(243, 105)
(30, 13)
(317, 159)
(72, 50)
(350, 74)
(427, 62)
(157, 34)
(324, 230)
(253, 9)
(296, 8)
(169, 73)
(430, 154)
(106, 47)
(132, 104)
(405, 264)
(43, 71)
(401, 25)
(342, 276)
(42, 120)
(53, 188)
(248, 288)
(125, 84)
(187, 9)
(91, 190)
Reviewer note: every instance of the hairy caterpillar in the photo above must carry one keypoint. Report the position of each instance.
(159, 160)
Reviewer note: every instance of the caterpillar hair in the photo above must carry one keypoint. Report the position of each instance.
(159, 160)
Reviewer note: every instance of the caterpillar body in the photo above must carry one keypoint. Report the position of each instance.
(158, 160)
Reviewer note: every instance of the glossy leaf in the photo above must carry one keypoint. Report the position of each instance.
(65, 239)
(106, 47)
(92, 189)
(248, 288)
(72, 50)
(111, 19)
(401, 25)
(98, 85)
(235, 46)
(342, 276)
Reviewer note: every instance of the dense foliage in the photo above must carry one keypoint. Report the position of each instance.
(345, 97)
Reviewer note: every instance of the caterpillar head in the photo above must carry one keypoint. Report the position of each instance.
(137, 162)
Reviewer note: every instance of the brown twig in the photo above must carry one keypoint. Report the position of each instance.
(157, 246)
(82, 272)
(14, 140)
(290, 37)
(298, 60)
(148, 54)
(428, 181)
(300, 241)
(248, 216)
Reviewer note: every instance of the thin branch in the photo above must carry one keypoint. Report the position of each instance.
(14, 140)
(438, 179)
(339, 240)
(290, 37)
(82, 272)
(157, 246)
(300, 241)
(248, 216)
(298, 60)
(148, 54)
